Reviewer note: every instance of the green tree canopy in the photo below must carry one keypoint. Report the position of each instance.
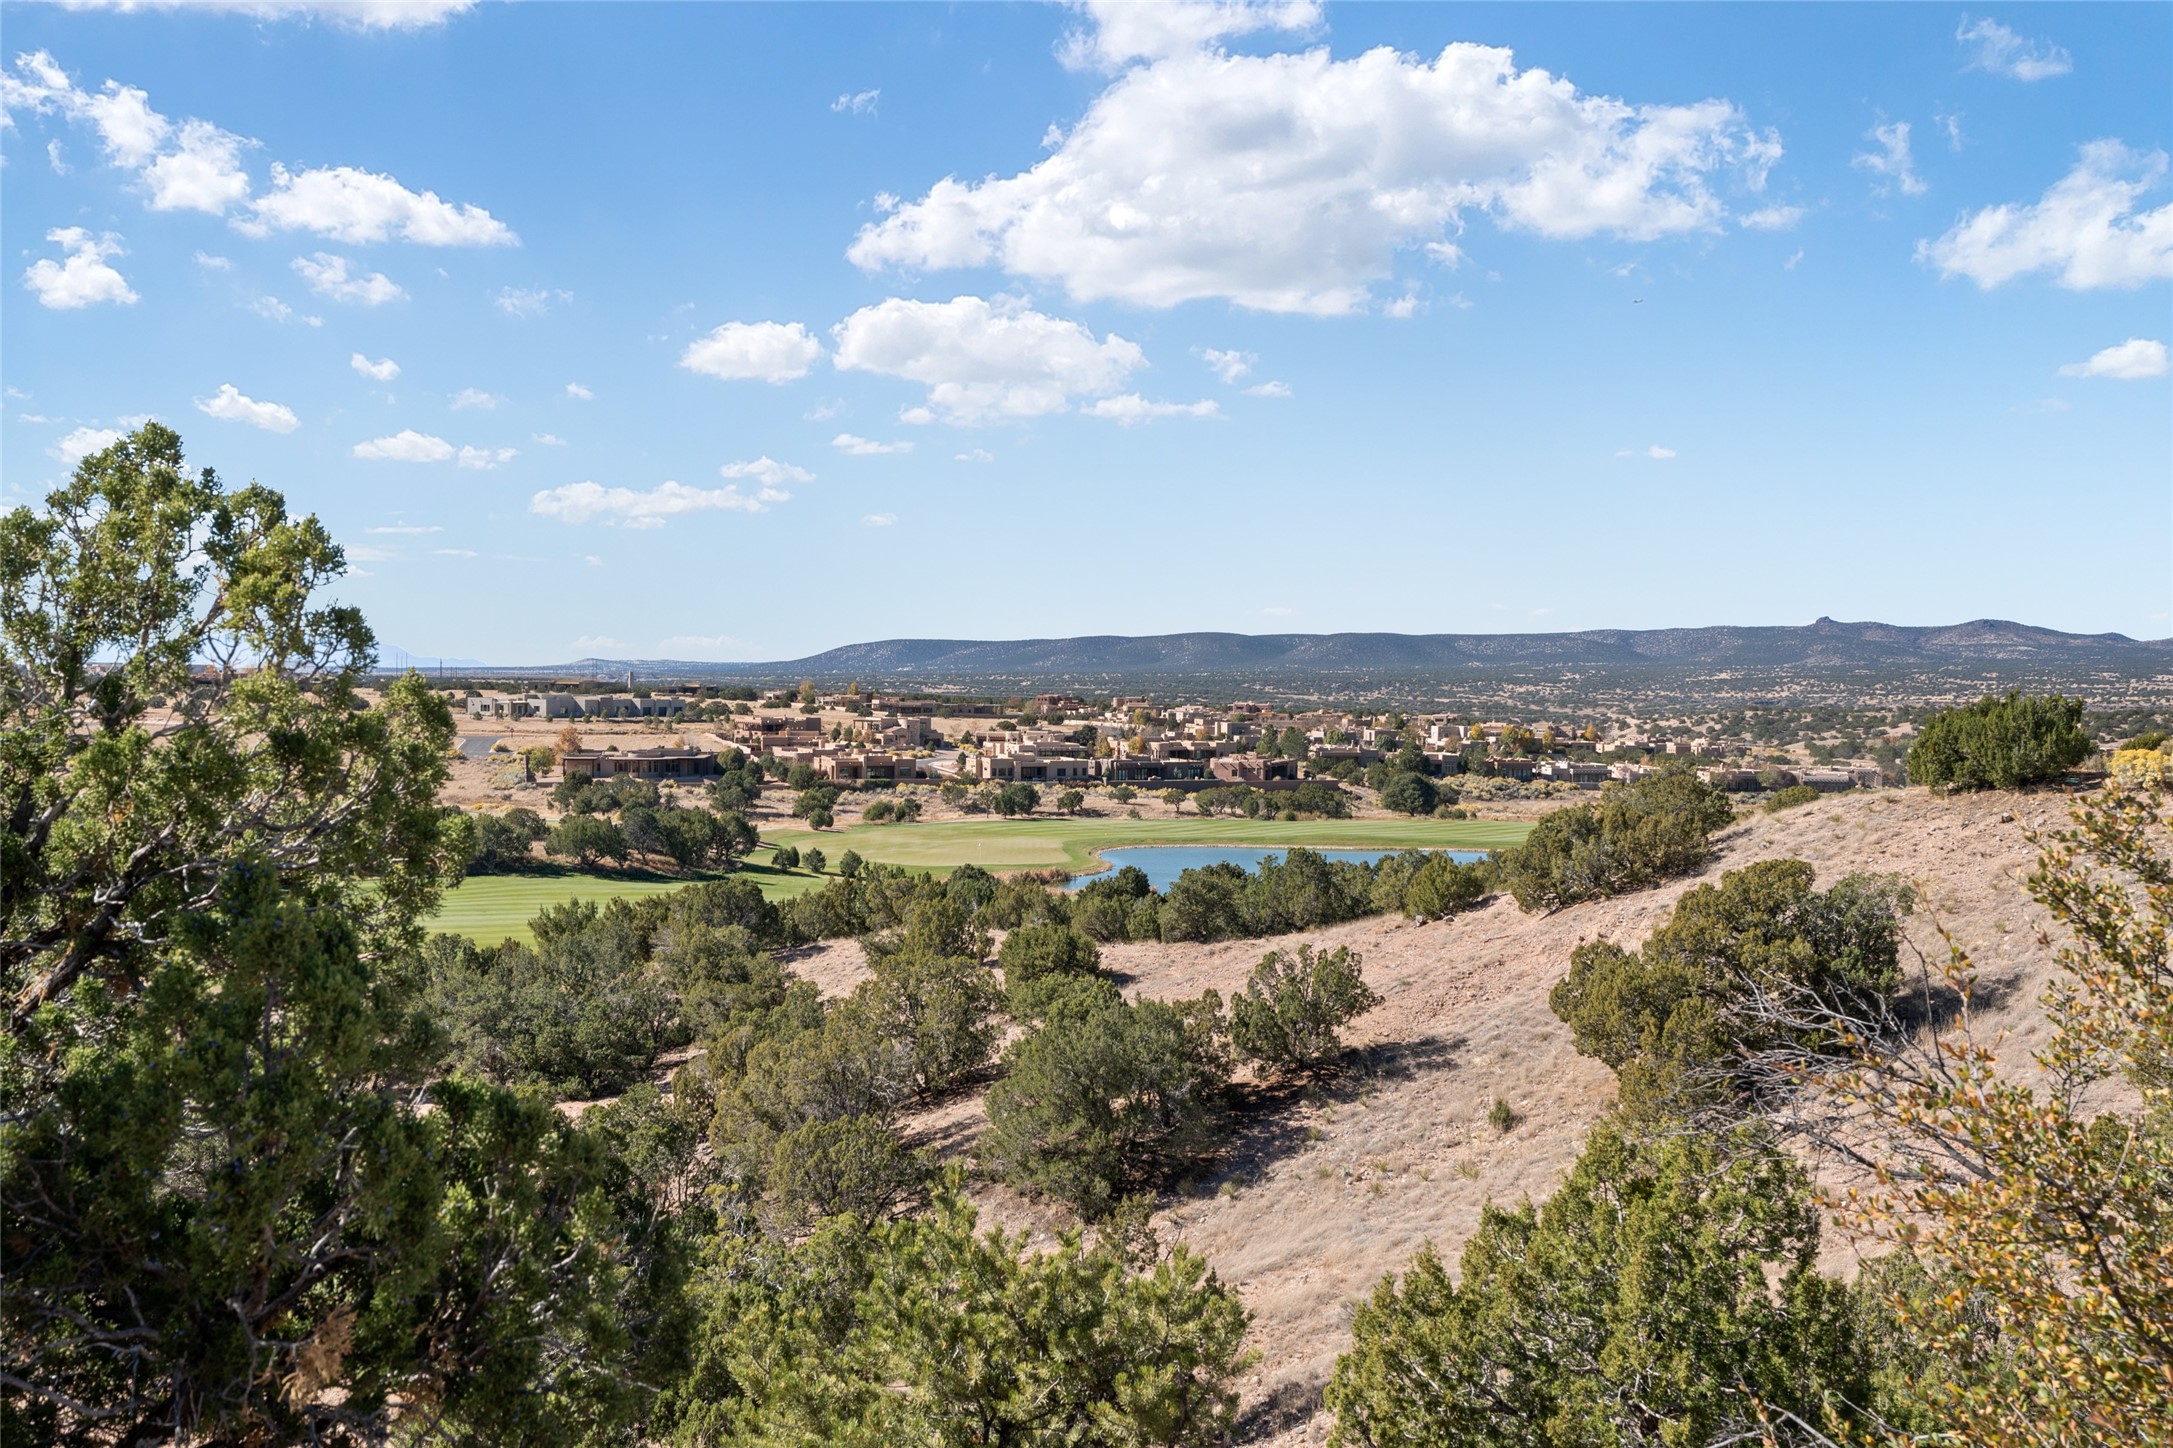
(1663, 1294)
(1409, 792)
(1691, 1009)
(2000, 743)
(920, 1330)
(586, 839)
(1634, 836)
(1290, 1015)
(1109, 1098)
(1050, 948)
(227, 1220)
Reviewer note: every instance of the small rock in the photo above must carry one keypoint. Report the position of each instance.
(2006, 818)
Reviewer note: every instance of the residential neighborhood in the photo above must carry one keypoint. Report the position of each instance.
(854, 739)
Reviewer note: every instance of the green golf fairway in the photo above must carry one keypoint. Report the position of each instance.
(1026, 844)
(491, 908)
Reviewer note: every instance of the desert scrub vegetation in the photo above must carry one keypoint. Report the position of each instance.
(923, 1330)
(1633, 836)
(229, 1038)
(2000, 743)
(1290, 1016)
(1301, 891)
(2028, 1292)
(1565, 1325)
(2035, 1221)
(1691, 1015)
(1790, 798)
(1108, 1097)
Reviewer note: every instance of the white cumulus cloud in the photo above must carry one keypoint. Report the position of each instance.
(330, 276)
(1131, 408)
(1993, 47)
(1656, 452)
(1893, 159)
(981, 361)
(405, 446)
(1290, 182)
(200, 171)
(82, 442)
(361, 207)
(754, 351)
(879, 520)
(1268, 389)
(1123, 30)
(1229, 366)
(82, 278)
(549, 439)
(857, 103)
(230, 405)
(579, 393)
(586, 502)
(384, 369)
(867, 447)
(483, 459)
(2085, 228)
(771, 474)
(191, 165)
(2130, 361)
(475, 397)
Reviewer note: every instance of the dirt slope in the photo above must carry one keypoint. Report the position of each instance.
(1322, 1196)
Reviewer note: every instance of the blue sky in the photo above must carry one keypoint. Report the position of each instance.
(736, 331)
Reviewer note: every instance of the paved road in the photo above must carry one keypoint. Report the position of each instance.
(477, 746)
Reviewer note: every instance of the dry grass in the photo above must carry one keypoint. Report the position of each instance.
(1330, 1191)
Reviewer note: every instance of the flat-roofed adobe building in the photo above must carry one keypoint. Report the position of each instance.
(860, 766)
(1252, 769)
(772, 733)
(1040, 762)
(637, 764)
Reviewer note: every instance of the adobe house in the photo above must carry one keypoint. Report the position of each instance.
(861, 766)
(637, 764)
(1252, 769)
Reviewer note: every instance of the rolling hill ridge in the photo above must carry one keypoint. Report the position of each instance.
(1826, 644)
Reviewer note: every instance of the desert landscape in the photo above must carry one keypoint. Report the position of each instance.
(1322, 1195)
(1090, 724)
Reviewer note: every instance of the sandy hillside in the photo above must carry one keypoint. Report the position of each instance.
(1320, 1197)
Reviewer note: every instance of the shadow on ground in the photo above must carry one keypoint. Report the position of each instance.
(1267, 1119)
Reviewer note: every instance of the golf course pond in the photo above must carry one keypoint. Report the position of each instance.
(491, 908)
(1164, 863)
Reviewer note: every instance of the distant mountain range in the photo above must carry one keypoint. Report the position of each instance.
(1826, 644)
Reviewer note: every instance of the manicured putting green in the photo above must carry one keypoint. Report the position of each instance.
(492, 908)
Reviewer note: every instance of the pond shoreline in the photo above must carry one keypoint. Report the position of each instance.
(1217, 853)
